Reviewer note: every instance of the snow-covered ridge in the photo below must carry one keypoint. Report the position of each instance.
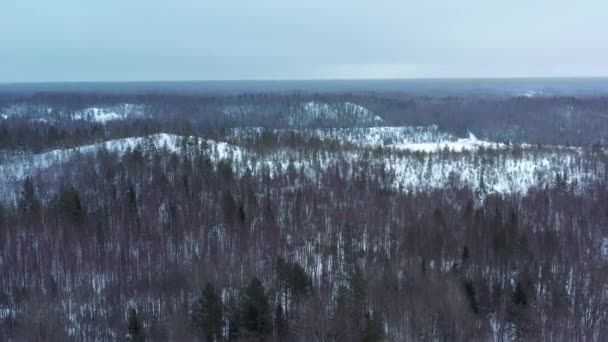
(412, 138)
(309, 113)
(19, 167)
(45, 114)
(347, 110)
(106, 114)
(504, 172)
(462, 144)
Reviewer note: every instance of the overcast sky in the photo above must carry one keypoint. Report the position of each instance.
(130, 40)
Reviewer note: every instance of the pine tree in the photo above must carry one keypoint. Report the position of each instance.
(207, 314)
(256, 314)
(135, 327)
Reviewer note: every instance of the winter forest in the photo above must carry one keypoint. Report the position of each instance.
(303, 216)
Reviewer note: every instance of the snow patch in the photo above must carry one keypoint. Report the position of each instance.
(107, 114)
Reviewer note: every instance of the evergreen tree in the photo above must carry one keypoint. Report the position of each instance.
(2, 216)
(207, 314)
(132, 199)
(374, 329)
(358, 294)
(29, 201)
(465, 254)
(518, 312)
(293, 279)
(71, 207)
(256, 316)
(519, 296)
(135, 327)
(471, 293)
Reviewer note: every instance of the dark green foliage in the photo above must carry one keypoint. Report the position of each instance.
(374, 329)
(135, 327)
(132, 199)
(242, 214)
(519, 296)
(256, 316)
(469, 288)
(358, 292)
(352, 311)
(71, 207)
(229, 207)
(2, 216)
(518, 313)
(207, 314)
(29, 201)
(465, 254)
(293, 277)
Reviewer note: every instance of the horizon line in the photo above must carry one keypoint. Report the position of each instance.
(5, 83)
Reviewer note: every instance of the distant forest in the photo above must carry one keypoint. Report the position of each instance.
(315, 243)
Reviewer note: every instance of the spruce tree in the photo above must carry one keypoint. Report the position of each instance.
(2, 216)
(256, 316)
(135, 327)
(132, 199)
(471, 293)
(29, 201)
(71, 207)
(207, 314)
(518, 313)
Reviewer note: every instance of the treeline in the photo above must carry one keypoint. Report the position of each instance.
(170, 246)
(578, 121)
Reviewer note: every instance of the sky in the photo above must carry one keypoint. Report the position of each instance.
(153, 40)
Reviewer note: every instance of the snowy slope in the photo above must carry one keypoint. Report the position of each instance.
(463, 144)
(485, 171)
(16, 169)
(411, 138)
(312, 113)
(106, 114)
(44, 114)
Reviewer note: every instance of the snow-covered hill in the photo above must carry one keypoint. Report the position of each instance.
(49, 164)
(505, 170)
(415, 139)
(44, 114)
(312, 113)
